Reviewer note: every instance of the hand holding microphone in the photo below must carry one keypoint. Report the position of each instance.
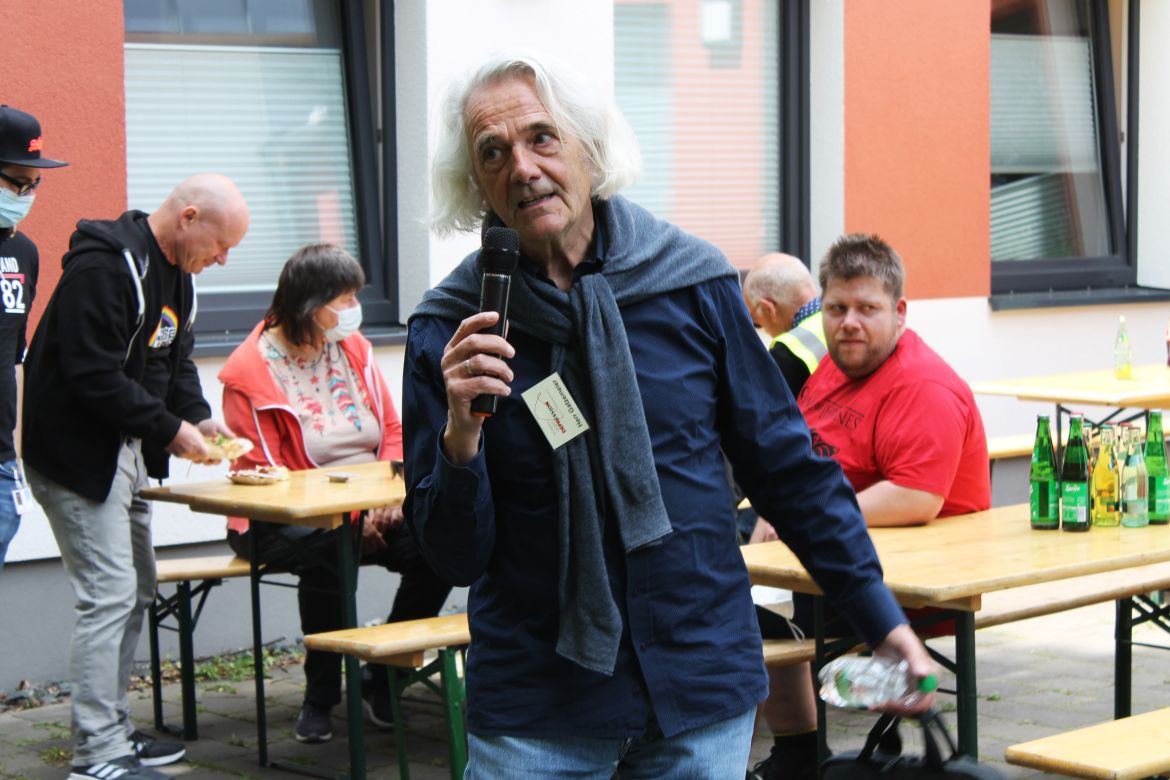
(498, 258)
(472, 361)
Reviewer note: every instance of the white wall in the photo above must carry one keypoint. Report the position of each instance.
(435, 42)
(981, 344)
(1154, 154)
(826, 126)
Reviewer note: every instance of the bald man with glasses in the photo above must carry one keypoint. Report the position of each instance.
(21, 163)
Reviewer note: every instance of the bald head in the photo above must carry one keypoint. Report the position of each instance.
(775, 289)
(202, 219)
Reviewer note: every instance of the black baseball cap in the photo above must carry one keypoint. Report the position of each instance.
(21, 141)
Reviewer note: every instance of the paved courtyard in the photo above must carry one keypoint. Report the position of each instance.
(1036, 677)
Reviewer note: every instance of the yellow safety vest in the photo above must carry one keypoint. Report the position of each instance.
(806, 341)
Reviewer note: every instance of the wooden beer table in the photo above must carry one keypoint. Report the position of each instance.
(307, 498)
(953, 562)
(1148, 388)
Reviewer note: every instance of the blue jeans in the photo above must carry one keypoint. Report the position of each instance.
(718, 751)
(9, 520)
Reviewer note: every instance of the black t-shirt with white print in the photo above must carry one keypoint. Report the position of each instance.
(164, 335)
(19, 264)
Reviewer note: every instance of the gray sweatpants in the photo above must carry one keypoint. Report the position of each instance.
(108, 555)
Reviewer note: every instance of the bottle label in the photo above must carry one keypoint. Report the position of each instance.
(1160, 491)
(1074, 503)
(1043, 499)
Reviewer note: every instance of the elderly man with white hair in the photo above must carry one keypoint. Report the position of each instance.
(611, 623)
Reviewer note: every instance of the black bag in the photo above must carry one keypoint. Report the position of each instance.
(871, 763)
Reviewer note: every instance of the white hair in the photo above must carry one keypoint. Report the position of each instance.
(577, 108)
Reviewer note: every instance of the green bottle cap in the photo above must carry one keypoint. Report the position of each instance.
(928, 684)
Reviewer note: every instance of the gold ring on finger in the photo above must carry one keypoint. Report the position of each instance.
(467, 365)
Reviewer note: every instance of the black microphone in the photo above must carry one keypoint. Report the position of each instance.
(498, 258)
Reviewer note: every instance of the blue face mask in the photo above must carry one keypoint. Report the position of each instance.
(348, 322)
(13, 207)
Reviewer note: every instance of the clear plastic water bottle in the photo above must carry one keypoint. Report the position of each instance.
(857, 681)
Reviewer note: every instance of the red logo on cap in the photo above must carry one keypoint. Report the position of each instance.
(36, 144)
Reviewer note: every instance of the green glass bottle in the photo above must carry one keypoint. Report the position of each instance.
(1158, 494)
(1074, 479)
(1043, 491)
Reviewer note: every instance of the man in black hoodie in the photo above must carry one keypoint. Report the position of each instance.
(110, 391)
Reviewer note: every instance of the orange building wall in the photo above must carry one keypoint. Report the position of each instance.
(917, 138)
(63, 63)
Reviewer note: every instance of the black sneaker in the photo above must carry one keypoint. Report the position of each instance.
(376, 698)
(152, 751)
(313, 724)
(121, 768)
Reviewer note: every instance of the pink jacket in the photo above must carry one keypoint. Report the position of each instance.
(256, 409)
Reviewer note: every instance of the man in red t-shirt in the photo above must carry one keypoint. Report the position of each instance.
(899, 420)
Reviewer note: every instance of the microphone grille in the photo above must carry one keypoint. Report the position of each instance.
(501, 249)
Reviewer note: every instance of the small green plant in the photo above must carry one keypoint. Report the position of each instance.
(56, 756)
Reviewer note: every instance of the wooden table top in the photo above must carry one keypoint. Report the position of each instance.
(1149, 388)
(953, 561)
(308, 497)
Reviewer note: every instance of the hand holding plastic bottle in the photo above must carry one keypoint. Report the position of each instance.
(910, 665)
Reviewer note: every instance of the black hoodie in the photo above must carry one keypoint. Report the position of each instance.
(84, 391)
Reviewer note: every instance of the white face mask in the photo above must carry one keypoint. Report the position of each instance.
(348, 322)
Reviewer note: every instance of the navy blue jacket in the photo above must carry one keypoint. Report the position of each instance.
(690, 653)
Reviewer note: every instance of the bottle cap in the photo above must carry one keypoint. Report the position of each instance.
(928, 684)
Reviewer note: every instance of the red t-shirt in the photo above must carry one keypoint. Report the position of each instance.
(913, 422)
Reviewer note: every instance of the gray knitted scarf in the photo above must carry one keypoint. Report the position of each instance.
(609, 470)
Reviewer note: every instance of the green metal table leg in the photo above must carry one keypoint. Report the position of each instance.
(396, 689)
(453, 703)
(1123, 659)
(353, 669)
(155, 666)
(187, 662)
(965, 689)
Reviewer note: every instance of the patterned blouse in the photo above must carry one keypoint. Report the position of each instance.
(337, 416)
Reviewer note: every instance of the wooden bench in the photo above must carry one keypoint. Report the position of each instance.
(1014, 446)
(401, 646)
(205, 572)
(1029, 601)
(1125, 749)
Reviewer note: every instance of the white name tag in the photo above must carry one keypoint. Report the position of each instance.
(555, 410)
(22, 499)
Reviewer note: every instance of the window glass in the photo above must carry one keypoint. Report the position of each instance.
(1048, 191)
(272, 117)
(698, 82)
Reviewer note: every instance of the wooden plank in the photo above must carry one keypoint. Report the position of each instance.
(206, 567)
(371, 643)
(1126, 749)
(954, 560)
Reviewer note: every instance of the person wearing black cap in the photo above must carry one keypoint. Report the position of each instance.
(21, 162)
